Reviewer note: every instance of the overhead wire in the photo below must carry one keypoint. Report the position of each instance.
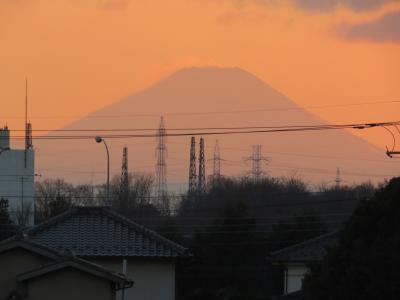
(225, 131)
(94, 116)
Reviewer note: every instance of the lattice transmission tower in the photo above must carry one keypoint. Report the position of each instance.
(161, 168)
(257, 162)
(216, 162)
(202, 169)
(192, 166)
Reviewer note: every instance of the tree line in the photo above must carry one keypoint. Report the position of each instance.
(229, 229)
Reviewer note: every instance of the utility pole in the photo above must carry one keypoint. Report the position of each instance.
(202, 168)
(391, 153)
(26, 123)
(161, 168)
(192, 166)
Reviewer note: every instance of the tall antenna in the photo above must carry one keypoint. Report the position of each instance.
(192, 166)
(161, 168)
(338, 179)
(216, 162)
(28, 138)
(124, 174)
(26, 122)
(257, 160)
(202, 168)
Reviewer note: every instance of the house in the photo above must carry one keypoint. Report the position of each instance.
(30, 271)
(103, 237)
(296, 258)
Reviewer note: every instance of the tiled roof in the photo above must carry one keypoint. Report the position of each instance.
(19, 242)
(79, 264)
(97, 231)
(312, 250)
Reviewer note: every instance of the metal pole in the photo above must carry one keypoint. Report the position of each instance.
(124, 267)
(99, 139)
(108, 173)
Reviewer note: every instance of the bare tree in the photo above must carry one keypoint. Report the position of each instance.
(52, 196)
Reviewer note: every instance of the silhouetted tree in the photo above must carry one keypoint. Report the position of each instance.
(365, 264)
(52, 197)
(7, 228)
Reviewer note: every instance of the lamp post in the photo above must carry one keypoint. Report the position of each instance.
(99, 139)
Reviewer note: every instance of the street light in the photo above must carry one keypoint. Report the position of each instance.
(99, 139)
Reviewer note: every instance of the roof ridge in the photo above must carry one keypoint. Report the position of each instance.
(306, 242)
(109, 213)
(81, 264)
(52, 220)
(153, 233)
(29, 244)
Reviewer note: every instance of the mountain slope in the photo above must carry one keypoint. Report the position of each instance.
(215, 97)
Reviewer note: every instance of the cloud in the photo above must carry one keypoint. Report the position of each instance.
(384, 29)
(241, 16)
(326, 5)
(113, 4)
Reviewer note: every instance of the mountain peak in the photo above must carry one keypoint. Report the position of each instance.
(199, 97)
(211, 73)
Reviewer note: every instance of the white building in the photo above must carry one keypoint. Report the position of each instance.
(17, 172)
(296, 259)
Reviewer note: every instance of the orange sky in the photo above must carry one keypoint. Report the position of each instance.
(82, 55)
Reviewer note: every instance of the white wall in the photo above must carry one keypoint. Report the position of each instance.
(154, 280)
(17, 182)
(294, 276)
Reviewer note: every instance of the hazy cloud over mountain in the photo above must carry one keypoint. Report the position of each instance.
(384, 29)
(113, 4)
(325, 5)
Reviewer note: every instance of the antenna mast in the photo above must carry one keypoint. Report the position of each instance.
(26, 122)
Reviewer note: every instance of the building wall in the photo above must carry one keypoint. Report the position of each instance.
(294, 276)
(67, 284)
(17, 183)
(154, 280)
(14, 262)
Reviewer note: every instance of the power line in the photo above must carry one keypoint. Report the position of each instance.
(211, 128)
(216, 112)
(70, 194)
(238, 130)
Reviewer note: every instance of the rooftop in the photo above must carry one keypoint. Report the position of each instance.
(99, 231)
(81, 265)
(308, 251)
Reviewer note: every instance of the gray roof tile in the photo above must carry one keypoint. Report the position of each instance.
(97, 231)
(308, 251)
